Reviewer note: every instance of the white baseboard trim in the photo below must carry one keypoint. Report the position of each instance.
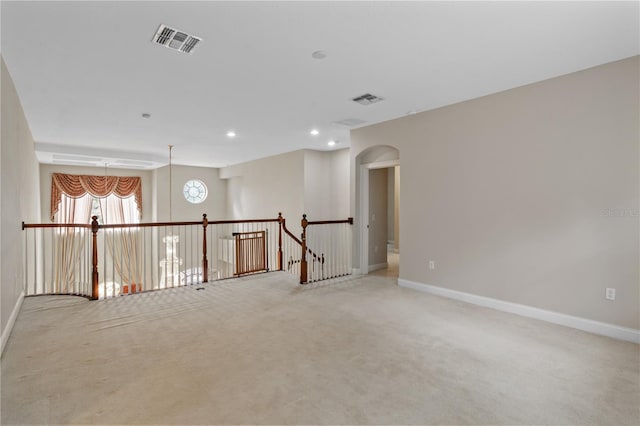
(591, 326)
(12, 320)
(378, 266)
(356, 271)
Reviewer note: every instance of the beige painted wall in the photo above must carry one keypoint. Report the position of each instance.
(317, 185)
(304, 181)
(181, 210)
(529, 195)
(326, 184)
(340, 188)
(46, 170)
(260, 189)
(19, 200)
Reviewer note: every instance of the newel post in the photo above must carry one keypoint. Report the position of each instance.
(205, 262)
(280, 223)
(303, 259)
(95, 290)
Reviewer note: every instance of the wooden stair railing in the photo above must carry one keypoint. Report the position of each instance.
(95, 226)
(313, 258)
(90, 285)
(309, 258)
(329, 272)
(304, 264)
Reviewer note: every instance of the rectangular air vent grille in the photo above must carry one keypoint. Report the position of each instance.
(83, 158)
(175, 39)
(190, 44)
(367, 99)
(134, 163)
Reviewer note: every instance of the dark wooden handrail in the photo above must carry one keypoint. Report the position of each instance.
(284, 227)
(147, 225)
(139, 225)
(297, 240)
(152, 224)
(55, 225)
(330, 222)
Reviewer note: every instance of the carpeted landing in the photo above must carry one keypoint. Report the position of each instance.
(264, 350)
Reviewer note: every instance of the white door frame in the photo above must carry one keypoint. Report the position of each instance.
(364, 209)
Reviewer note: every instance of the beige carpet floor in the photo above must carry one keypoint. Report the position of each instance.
(265, 350)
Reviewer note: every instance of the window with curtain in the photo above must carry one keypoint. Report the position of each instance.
(115, 200)
(109, 210)
(72, 198)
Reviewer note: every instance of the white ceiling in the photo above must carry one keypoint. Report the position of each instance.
(86, 71)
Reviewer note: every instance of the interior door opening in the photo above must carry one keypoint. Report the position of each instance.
(383, 225)
(377, 207)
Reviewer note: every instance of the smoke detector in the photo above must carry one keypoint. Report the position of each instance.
(175, 39)
(350, 122)
(367, 99)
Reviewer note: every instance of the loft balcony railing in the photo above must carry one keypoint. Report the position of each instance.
(322, 252)
(102, 261)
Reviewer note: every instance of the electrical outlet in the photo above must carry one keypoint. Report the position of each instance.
(432, 264)
(610, 293)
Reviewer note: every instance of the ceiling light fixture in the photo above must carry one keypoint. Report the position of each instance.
(314, 132)
(332, 143)
(146, 115)
(231, 134)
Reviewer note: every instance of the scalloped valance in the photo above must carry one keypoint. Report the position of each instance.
(76, 186)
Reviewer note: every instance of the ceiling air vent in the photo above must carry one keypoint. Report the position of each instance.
(175, 39)
(367, 99)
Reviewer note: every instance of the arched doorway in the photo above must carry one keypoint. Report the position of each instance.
(377, 247)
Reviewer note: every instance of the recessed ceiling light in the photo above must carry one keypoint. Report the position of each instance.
(231, 134)
(319, 54)
(314, 132)
(331, 143)
(146, 115)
